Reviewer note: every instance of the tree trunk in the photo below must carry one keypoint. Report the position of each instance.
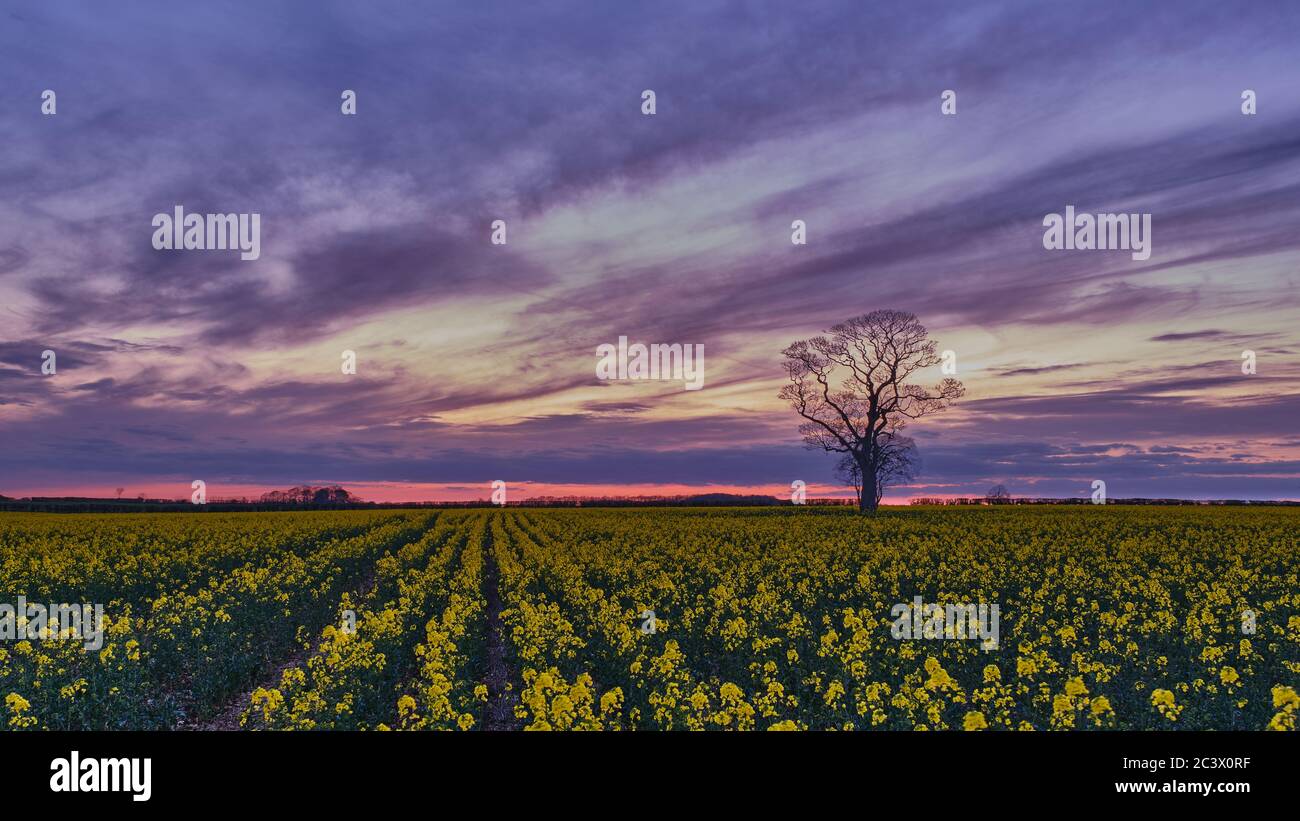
(867, 498)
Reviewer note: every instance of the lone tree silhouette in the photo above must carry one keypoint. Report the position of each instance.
(851, 387)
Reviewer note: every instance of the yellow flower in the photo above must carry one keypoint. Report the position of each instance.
(1163, 701)
(18, 707)
(833, 692)
(611, 701)
(1286, 698)
(974, 720)
(17, 703)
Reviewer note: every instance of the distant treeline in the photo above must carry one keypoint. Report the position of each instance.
(70, 504)
(1025, 500)
(697, 500)
(296, 500)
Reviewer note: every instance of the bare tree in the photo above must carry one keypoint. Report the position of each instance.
(998, 495)
(851, 387)
(900, 463)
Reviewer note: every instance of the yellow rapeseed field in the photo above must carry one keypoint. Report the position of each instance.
(632, 619)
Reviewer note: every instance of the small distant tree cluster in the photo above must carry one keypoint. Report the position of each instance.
(307, 495)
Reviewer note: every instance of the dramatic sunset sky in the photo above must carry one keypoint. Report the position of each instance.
(477, 362)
